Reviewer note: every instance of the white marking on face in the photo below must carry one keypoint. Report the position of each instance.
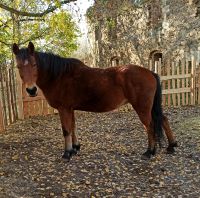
(26, 62)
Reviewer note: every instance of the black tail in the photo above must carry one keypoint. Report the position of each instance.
(156, 111)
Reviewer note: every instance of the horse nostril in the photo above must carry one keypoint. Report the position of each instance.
(32, 91)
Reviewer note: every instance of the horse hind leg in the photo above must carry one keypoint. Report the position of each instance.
(151, 150)
(170, 135)
(146, 119)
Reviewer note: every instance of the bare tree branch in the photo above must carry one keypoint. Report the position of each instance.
(4, 24)
(31, 19)
(31, 14)
(7, 44)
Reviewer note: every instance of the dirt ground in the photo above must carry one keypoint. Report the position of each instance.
(109, 163)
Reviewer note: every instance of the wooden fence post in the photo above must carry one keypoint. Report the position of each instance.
(173, 85)
(187, 81)
(156, 67)
(2, 127)
(198, 85)
(168, 83)
(19, 95)
(4, 109)
(150, 65)
(193, 68)
(183, 80)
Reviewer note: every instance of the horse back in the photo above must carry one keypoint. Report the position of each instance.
(98, 90)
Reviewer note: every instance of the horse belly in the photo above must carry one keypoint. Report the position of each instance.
(107, 102)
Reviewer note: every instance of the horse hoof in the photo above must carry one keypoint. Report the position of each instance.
(146, 155)
(174, 144)
(68, 154)
(76, 147)
(170, 150)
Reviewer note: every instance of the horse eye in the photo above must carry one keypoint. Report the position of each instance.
(35, 65)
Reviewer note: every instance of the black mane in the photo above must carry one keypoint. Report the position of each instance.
(53, 64)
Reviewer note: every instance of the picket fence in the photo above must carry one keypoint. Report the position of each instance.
(14, 101)
(180, 86)
(180, 82)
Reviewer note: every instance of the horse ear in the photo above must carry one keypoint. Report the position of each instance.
(15, 49)
(31, 48)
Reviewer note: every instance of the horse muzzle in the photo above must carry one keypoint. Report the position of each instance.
(32, 92)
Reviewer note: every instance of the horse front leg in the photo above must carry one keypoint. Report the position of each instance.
(66, 117)
(75, 143)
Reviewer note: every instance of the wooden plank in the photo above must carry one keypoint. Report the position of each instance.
(45, 107)
(150, 65)
(33, 106)
(177, 91)
(11, 95)
(173, 85)
(2, 126)
(198, 85)
(8, 106)
(183, 80)
(175, 77)
(193, 81)
(169, 85)
(3, 98)
(40, 107)
(187, 83)
(159, 66)
(198, 95)
(156, 67)
(19, 95)
(178, 86)
(25, 109)
(163, 95)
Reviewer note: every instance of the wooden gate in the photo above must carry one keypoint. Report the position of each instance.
(36, 105)
(180, 85)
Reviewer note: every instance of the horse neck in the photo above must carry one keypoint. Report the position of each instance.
(52, 67)
(43, 80)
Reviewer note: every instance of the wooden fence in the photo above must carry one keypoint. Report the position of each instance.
(180, 84)
(8, 99)
(197, 85)
(14, 101)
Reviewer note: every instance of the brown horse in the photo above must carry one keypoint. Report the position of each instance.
(68, 85)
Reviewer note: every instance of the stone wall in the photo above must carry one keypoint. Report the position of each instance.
(124, 32)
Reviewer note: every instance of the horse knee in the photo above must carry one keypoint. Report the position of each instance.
(65, 132)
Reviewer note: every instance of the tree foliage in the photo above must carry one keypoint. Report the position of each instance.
(50, 26)
(50, 7)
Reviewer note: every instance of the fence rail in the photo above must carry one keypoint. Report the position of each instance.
(180, 84)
